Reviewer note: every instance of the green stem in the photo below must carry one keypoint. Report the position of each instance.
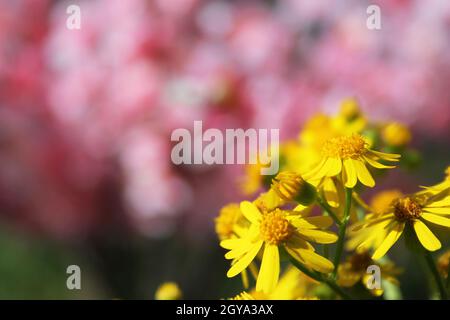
(321, 278)
(328, 210)
(436, 276)
(342, 229)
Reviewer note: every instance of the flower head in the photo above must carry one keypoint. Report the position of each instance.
(354, 270)
(270, 231)
(168, 291)
(229, 220)
(347, 157)
(381, 231)
(290, 186)
(396, 134)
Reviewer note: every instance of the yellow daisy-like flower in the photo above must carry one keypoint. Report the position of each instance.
(269, 231)
(347, 157)
(229, 222)
(350, 118)
(252, 180)
(354, 270)
(168, 291)
(396, 134)
(383, 230)
(379, 204)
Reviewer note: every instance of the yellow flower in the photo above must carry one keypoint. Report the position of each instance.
(396, 134)
(383, 230)
(293, 285)
(350, 118)
(253, 180)
(271, 230)
(380, 204)
(354, 270)
(346, 157)
(229, 222)
(443, 263)
(168, 291)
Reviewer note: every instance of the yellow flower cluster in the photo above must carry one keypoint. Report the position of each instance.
(307, 215)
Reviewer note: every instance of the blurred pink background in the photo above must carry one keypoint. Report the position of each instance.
(86, 115)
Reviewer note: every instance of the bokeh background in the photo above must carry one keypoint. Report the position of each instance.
(86, 117)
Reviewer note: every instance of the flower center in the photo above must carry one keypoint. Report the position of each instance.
(360, 261)
(275, 228)
(406, 209)
(345, 147)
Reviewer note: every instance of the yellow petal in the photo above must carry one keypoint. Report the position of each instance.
(376, 164)
(304, 210)
(369, 237)
(333, 166)
(437, 210)
(436, 219)
(239, 251)
(296, 242)
(385, 156)
(371, 222)
(270, 269)
(349, 176)
(317, 172)
(363, 174)
(311, 259)
(389, 241)
(250, 211)
(230, 244)
(318, 236)
(317, 222)
(426, 237)
(445, 202)
(330, 193)
(243, 262)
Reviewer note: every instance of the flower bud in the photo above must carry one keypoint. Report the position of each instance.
(395, 134)
(168, 291)
(290, 186)
(350, 109)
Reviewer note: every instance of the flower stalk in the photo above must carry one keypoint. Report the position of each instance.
(342, 229)
(437, 278)
(325, 207)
